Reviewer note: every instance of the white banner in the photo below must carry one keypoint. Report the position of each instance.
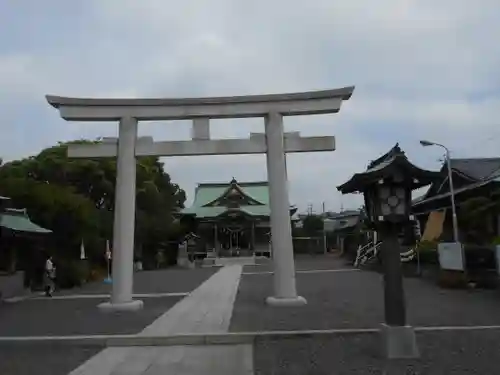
(108, 250)
(82, 251)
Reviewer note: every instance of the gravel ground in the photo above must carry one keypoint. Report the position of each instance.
(76, 317)
(457, 353)
(61, 317)
(306, 263)
(172, 280)
(49, 359)
(355, 300)
(80, 316)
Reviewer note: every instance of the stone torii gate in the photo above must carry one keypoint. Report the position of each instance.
(274, 143)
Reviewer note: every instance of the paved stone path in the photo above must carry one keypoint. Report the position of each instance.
(207, 309)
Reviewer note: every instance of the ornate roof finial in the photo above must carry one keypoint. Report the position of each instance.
(395, 151)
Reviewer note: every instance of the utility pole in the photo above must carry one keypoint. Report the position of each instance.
(309, 209)
(324, 232)
(450, 183)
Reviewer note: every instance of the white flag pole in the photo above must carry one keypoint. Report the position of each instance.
(108, 263)
(82, 251)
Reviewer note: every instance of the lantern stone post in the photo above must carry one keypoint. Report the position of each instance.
(387, 185)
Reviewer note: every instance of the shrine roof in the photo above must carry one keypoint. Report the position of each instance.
(394, 159)
(207, 194)
(18, 220)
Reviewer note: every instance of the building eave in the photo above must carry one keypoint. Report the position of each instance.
(420, 176)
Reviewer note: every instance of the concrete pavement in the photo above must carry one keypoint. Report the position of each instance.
(207, 309)
(337, 333)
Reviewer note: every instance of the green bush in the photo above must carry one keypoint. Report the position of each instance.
(429, 256)
(479, 257)
(427, 252)
(496, 241)
(70, 274)
(427, 245)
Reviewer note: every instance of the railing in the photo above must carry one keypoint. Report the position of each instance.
(369, 251)
(366, 253)
(408, 256)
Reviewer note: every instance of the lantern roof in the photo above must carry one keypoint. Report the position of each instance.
(393, 161)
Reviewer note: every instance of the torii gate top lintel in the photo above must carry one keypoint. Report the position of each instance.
(302, 103)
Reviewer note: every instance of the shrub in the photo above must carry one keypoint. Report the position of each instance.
(427, 252)
(70, 274)
(97, 274)
(496, 241)
(452, 279)
(427, 245)
(479, 257)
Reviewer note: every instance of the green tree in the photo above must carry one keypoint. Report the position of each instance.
(75, 198)
(312, 225)
(474, 215)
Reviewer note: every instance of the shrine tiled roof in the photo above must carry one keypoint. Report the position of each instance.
(478, 168)
(395, 159)
(206, 194)
(18, 220)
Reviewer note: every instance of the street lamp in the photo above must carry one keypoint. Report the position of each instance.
(452, 192)
(387, 185)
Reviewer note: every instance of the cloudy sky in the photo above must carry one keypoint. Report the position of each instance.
(422, 69)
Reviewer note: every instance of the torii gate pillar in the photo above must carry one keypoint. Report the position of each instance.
(282, 244)
(124, 220)
(129, 111)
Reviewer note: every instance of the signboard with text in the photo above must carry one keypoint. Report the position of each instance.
(451, 256)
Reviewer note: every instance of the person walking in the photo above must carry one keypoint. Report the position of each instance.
(49, 276)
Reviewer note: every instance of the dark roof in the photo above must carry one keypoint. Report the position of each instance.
(458, 191)
(477, 169)
(18, 220)
(418, 199)
(394, 159)
(396, 150)
(493, 177)
(347, 213)
(341, 223)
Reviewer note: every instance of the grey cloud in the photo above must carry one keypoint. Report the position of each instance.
(423, 69)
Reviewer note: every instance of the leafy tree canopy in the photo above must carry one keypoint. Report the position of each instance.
(312, 224)
(75, 198)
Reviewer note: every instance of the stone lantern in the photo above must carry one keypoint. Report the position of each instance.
(387, 185)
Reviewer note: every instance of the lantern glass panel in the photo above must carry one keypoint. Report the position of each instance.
(373, 204)
(400, 209)
(386, 210)
(393, 201)
(400, 192)
(384, 192)
(398, 177)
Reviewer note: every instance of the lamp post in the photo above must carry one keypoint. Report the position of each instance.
(387, 185)
(452, 192)
(387, 195)
(325, 250)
